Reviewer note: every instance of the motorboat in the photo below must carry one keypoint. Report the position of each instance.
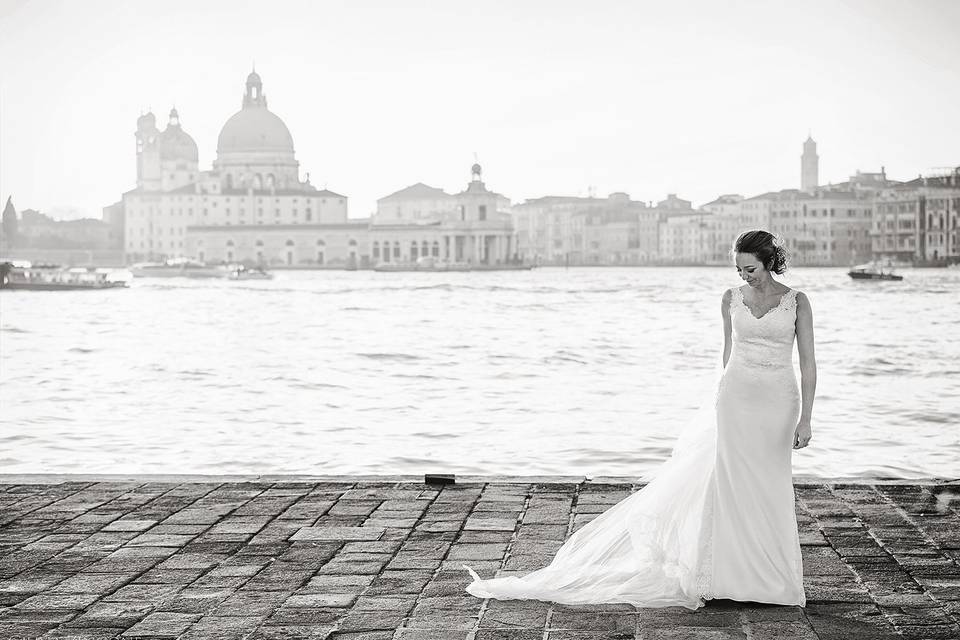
(429, 263)
(872, 271)
(243, 272)
(56, 278)
(176, 268)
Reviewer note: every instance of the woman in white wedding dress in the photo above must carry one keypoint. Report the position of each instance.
(717, 520)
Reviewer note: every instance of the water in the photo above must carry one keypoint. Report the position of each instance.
(580, 371)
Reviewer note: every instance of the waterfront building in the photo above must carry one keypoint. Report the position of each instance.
(809, 166)
(561, 230)
(725, 222)
(685, 237)
(919, 221)
(823, 228)
(252, 206)
(473, 226)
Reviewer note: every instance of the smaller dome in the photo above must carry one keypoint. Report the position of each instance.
(146, 122)
(176, 144)
(254, 78)
(475, 169)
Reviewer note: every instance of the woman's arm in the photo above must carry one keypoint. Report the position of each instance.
(808, 369)
(725, 312)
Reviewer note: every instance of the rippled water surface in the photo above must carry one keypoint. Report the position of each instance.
(580, 371)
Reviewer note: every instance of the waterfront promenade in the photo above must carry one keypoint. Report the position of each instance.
(271, 558)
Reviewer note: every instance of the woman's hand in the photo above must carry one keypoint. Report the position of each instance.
(802, 435)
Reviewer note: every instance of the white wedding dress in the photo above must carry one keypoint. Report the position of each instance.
(717, 520)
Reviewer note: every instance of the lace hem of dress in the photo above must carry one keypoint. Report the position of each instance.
(704, 577)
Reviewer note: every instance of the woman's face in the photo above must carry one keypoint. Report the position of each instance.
(751, 269)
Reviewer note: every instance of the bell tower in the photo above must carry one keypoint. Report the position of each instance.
(809, 166)
(148, 152)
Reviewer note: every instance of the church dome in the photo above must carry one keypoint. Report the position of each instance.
(174, 143)
(254, 129)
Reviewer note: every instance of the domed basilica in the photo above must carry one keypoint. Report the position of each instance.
(251, 206)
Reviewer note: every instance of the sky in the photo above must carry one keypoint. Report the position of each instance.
(697, 98)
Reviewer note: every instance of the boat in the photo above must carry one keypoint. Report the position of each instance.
(427, 263)
(243, 272)
(26, 277)
(872, 271)
(177, 268)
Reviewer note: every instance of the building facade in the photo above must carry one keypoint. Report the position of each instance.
(252, 206)
(559, 230)
(471, 227)
(919, 221)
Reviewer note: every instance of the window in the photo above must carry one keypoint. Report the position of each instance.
(483, 212)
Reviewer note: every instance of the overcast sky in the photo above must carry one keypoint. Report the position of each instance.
(554, 97)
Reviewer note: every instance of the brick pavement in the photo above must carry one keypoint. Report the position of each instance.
(377, 560)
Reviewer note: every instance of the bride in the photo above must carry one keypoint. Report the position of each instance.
(717, 520)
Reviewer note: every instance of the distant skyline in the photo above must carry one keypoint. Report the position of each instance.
(693, 98)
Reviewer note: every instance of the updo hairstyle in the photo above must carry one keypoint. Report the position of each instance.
(765, 246)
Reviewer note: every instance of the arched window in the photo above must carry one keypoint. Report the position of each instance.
(376, 250)
(289, 243)
(436, 249)
(413, 250)
(229, 181)
(257, 181)
(259, 243)
(271, 181)
(229, 243)
(396, 250)
(424, 248)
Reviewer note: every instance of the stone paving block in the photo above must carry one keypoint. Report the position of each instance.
(129, 525)
(92, 583)
(683, 633)
(845, 621)
(437, 634)
(413, 561)
(68, 633)
(185, 560)
(222, 628)
(515, 614)
(292, 632)
(113, 614)
(337, 533)
(508, 634)
(259, 603)
(448, 620)
(155, 593)
(378, 546)
(160, 540)
(312, 600)
(364, 635)
(51, 602)
(477, 523)
(400, 603)
(161, 625)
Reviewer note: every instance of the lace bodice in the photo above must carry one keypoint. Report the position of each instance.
(766, 341)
